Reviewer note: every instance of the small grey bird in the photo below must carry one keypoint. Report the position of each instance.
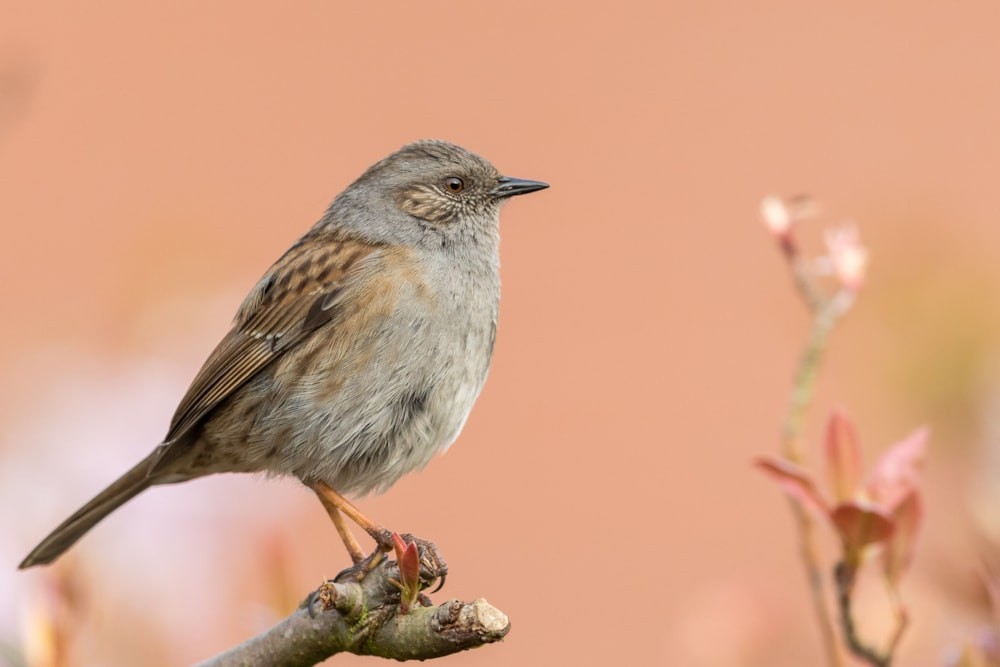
(357, 356)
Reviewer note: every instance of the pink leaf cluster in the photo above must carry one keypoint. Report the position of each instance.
(884, 510)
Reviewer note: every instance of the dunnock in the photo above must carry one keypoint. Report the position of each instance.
(357, 356)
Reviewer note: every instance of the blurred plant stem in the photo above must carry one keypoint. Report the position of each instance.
(886, 511)
(844, 575)
(825, 314)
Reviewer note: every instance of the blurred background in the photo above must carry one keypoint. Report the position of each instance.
(155, 158)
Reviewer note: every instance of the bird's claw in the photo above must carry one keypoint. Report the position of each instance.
(360, 570)
(433, 567)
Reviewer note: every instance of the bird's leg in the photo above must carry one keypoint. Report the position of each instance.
(353, 548)
(333, 500)
(432, 565)
(335, 504)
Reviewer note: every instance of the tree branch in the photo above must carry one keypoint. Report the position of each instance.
(364, 618)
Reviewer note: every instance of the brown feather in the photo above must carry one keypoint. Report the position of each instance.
(297, 296)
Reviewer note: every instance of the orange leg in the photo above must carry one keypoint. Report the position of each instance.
(336, 503)
(353, 548)
(430, 560)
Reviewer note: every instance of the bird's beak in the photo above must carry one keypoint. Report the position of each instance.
(508, 187)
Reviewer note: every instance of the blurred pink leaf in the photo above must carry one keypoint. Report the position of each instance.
(843, 457)
(898, 552)
(859, 525)
(795, 481)
(897, 472)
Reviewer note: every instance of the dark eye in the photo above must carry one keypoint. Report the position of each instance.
(454, 184)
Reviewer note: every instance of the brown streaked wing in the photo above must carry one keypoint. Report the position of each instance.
(296, 297)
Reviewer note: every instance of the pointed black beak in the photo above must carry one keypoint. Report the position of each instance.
(508, 187)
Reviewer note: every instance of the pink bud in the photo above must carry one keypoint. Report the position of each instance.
(899, 549)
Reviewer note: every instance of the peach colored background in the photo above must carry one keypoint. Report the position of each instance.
(156, 157)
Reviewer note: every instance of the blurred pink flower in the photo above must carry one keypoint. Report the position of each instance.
(779, 215)
(776, 216)
(848, 257)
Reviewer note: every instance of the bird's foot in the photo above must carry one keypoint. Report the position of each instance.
(360, 569)
(432, 565)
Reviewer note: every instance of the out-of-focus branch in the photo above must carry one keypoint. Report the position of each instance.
(844, 575)
(364, 618)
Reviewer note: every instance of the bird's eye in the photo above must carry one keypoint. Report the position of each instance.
(454, 184)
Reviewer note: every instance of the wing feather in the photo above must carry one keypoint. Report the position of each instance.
(294, 299)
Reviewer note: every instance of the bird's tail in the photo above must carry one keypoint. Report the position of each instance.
(126, 487)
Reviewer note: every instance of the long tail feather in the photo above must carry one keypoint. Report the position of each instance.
(72, 529)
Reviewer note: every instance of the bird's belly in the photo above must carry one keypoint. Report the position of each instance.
(371, 446)
(360, 431)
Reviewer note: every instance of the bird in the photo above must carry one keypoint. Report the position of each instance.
(356, 357)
